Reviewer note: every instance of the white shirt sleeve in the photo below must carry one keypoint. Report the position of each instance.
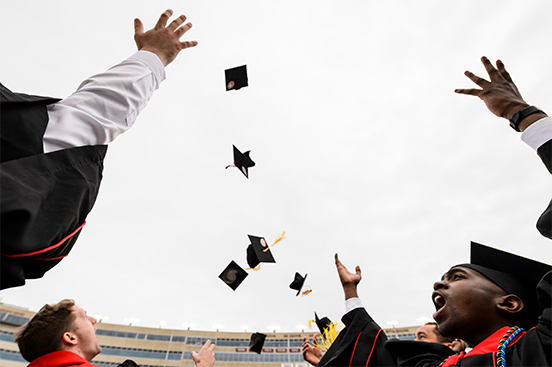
(105, 105)
(352, 303)
(538, 133)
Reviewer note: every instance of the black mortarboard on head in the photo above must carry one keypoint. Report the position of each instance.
(233, 275)
(298, 282)
(322, 323)
(515, 274)
(256, 343)
(242, 161)
(236, 78)
(258, 252)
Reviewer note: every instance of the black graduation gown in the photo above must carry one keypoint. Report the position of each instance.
(534, 348)
(44, 198)
(544, 224)
(361, 341)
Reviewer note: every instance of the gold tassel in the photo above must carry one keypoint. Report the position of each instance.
(328, 336)
(304, 293)
(256, 268)
(281, 237)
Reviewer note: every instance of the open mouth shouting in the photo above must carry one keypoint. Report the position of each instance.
(439, 302)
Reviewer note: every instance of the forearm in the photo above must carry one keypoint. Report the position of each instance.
(105, 105)
(350, 291)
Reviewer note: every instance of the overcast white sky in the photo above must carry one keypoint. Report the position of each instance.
(361, 148)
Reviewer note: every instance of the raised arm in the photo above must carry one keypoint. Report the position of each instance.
(500, 94)
(502, 98)
(107, 104)
(349, 280)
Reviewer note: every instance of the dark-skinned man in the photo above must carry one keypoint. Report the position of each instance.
(476, 303)
(499, 304)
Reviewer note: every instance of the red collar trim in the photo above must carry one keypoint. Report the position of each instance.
(488, 345)
(60, 358)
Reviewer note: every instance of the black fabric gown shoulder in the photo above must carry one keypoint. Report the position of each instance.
(361, 343)
(544, 224)
(44, 198)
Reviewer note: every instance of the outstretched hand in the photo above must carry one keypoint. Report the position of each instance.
(311, 354)
(348, 280)
(206, 356)
(163, 40)
(500, 94)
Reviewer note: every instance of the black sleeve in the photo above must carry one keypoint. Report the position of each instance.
(410, 353)
(544, 327)
(544, 224)
(361, 343)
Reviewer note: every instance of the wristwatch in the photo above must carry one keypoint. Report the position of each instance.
(520, 115)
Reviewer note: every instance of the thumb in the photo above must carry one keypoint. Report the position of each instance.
(138, 27)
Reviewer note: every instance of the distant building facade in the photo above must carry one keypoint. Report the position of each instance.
(152, 347)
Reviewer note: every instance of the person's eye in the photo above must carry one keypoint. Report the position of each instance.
(457, 276)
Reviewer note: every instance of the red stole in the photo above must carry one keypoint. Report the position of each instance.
(488, 345)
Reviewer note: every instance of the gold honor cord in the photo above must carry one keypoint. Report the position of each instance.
(282, 236)
(328, 336)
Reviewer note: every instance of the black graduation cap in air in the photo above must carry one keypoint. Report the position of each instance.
(236, 78)
(233, 275)
(298, 282)
(256, 343)
(515, 274)
(258, 252)
(242, 161)
(322, 323)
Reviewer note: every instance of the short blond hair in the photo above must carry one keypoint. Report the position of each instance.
(44, 332)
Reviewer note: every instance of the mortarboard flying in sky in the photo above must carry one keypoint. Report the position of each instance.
(258, 252)
(233, 275)
(242, 161)
(256, 343)
(298, 283)
(236, 78)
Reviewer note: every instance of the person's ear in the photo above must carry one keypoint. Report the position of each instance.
(69, 339)
(510, 303)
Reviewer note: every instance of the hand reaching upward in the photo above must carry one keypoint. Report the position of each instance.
(163, 40)
(348, 280)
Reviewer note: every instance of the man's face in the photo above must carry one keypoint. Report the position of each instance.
(465, 302)
(88, 345)
(426, 333)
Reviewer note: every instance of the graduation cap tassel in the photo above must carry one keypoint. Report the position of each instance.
(281, 237)
(230, 165)
(255, 268)
(328, 336)
(310, 323)
(304, 293)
